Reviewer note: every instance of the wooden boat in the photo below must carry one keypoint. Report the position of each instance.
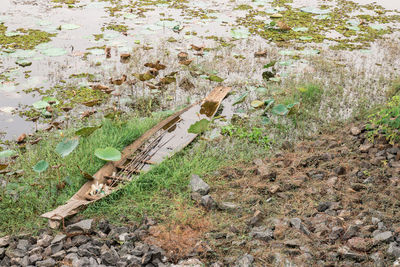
(160, 142)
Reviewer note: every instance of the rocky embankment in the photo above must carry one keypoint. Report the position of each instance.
(330, 201)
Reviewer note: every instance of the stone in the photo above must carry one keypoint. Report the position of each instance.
(355, 131)
(59, 255)
(132, 260)
(208, 202)
(5, 241)
(58, 238)
(323, 206)
(244, 261)
(198, 185)
(82, 226)
(262, 233)
(351, 231)
(44, 241)
(350, 255)
(360, 244)
(79, 240)
(14, 253)
(384, 236)
(2, 252)
(336, 232)
(110, 257)
(394, 250)
(34, 258)
(296, 223)
(228, 206)
(317, 175)
(339, 170)
(292, 243)
(365, 147)
(188, 263)
(23, 245)
(46, 263)
(257, 217)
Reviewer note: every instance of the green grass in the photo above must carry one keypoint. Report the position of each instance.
(28, 196)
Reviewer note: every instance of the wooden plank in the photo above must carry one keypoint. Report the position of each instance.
(180, 120)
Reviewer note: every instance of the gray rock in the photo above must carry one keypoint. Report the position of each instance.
(14, 253)
(355, 131)
(208, 202)
(394, 250)
(36, 250)
(2, 252)
(340, 170)
(256, 219)
(350, 255)
(323, 206)
(44, 241)
(59, 255)
(317, 175)
(146, 258)
(34, 258)
(58, 238)
(110, 256)
(132, 260)
(4, 241)
(79, 240)
(198, 185)
(54, 248)
(82, 226)
(336, 233)
(245, 261)
(104, 226)
(188, 263)
(23, 245)
(296, 223)
(262, 233)
(384, 236)
(351, 231)
(46, 263)
(228, 206)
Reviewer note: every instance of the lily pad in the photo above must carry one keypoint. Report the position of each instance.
(215, 78)
(168, 23)
(240, 33)
(377, 27)
(268, 103)
(54, 52)
(199, 127)
(257, 103)
(23, 54)
(287, 53)
(108, 154)
(70, 27)
(280, 110)
(322, 17)
(353, 28)
(300, 29)
(7, 153)
(41, 166)
(305, 38)
(51, 99)
(66, 147)
(8, 87)
(241, 98)
(97, 52)
(40, 104)
(23, 62)
(310, 52)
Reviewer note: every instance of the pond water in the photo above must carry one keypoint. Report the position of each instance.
(59, 48)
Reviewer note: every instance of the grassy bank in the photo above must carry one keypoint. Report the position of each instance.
(29, 194)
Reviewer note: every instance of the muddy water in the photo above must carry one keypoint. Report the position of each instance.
(144, 25)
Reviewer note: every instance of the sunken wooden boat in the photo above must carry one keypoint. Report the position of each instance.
(160, 142)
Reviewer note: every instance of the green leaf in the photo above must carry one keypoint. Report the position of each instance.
(300, 29)
(41, 166)
(215, 78)
(7, 153)
(66, 147)
(86, 131)
(271, 64)
(241, 98)
(280, 110)
(54, 52)
(262, 90)
(69, 27)
(240, 33)
(108, 154)
(257, 103)
(51, 99)
(268, 103)
(40, 104)
(199, 126)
